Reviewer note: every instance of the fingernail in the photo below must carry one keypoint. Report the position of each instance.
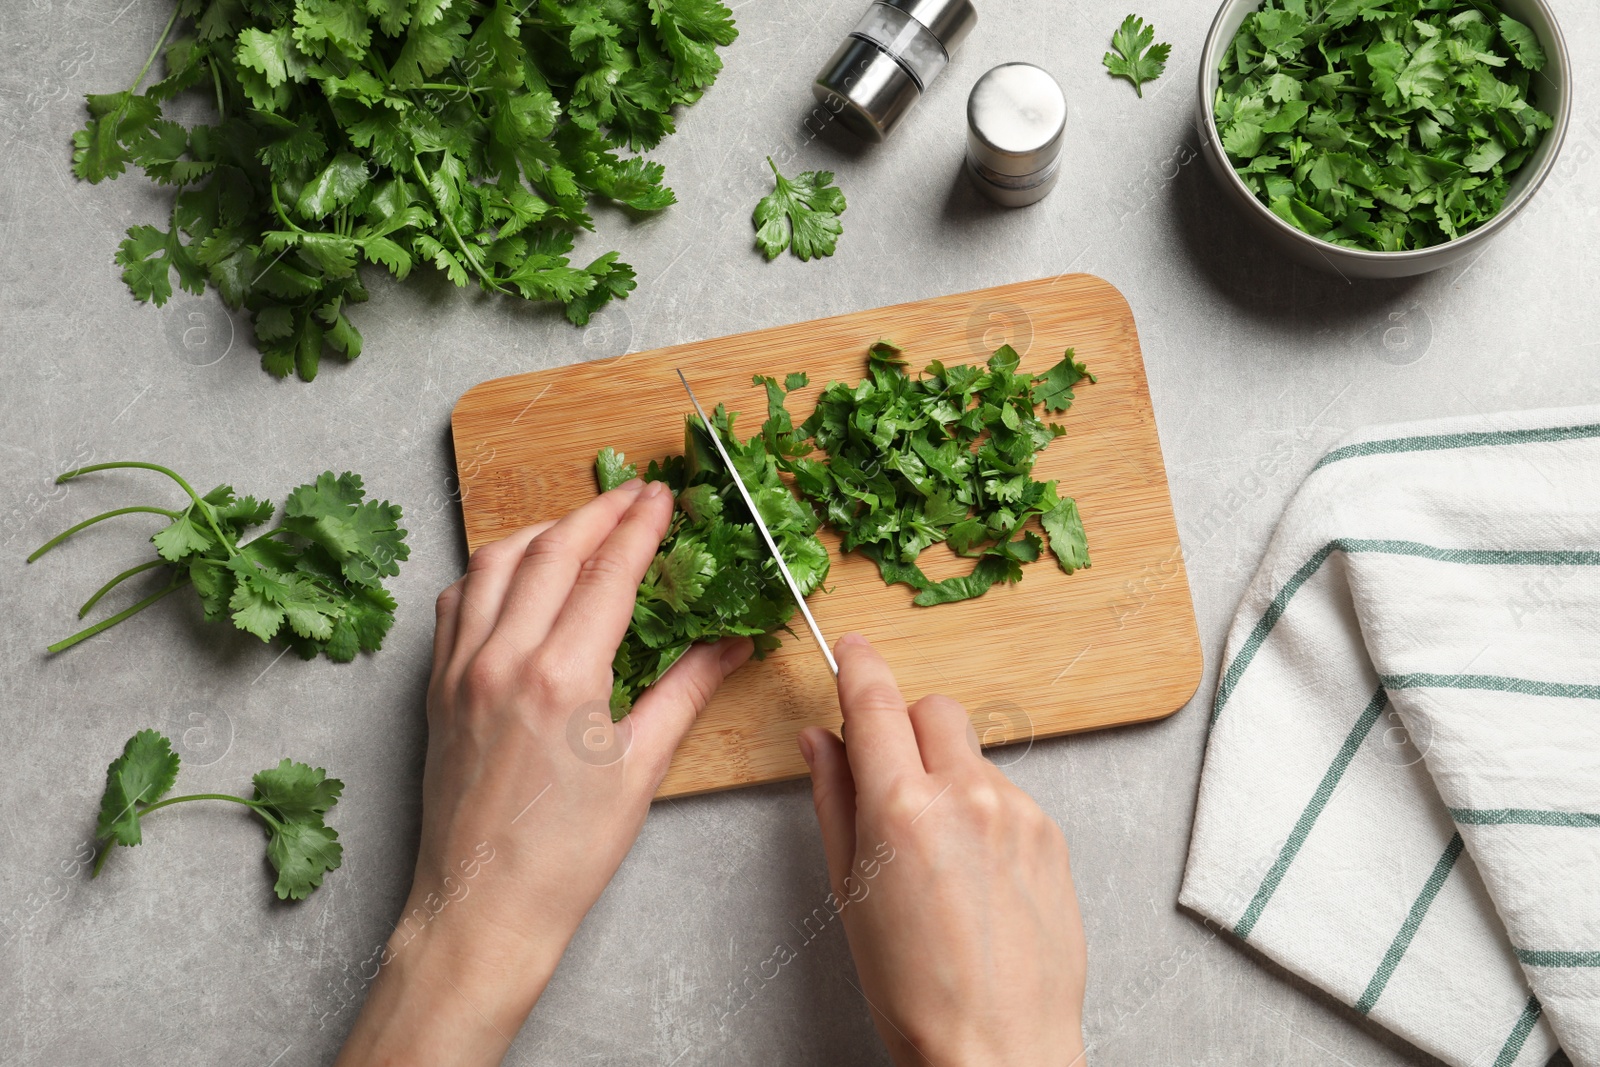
(632, 485)
(851, 638)
(808, 751)
(654, 489)
(734, 652)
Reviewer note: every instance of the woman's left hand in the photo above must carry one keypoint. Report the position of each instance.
(530, 797)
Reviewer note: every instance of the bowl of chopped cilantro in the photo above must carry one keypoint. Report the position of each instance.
(1383, 138)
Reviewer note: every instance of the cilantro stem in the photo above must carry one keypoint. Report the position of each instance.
(253, 805)
(216, 79)
(128, 464)
(106, 624)
(64, 534)
(466, 253)
(165, 33)
(118, 580)
(278, 206)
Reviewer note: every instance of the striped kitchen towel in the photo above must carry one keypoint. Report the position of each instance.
(1401, 795)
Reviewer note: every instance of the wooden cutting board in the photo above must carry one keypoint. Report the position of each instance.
(1056, 653)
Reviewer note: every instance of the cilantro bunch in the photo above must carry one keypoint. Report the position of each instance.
(1380, 124)
(466, 134)
(290, 799)
(712, 576)
(315, 582)
(947, 457)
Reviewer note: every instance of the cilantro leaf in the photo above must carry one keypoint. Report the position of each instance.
(301, 853)
(990, 571)
(611, 469)
(1053, 388)
(362, 536)
(1067, 539)
(690, 30)
(141, 775)
(149, 256)
(802, 215)
(300, 847)
(335, 186)
(1524, 43)
(100, 149)
(1133, 56)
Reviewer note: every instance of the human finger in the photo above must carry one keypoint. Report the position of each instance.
(882, 745)
(599, 608)
(945, 737)
(536, 587)
(833, 795)
(483, 587)
(663, 715)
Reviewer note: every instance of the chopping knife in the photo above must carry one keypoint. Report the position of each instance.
(766, 534)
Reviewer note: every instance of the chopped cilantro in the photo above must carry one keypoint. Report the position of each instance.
(713, 576)
(947, 457)
(801, 215)
(1380, 124)
(291, 799)
(908, 463)
(470, 136)
(1134, 57)
(315, 582)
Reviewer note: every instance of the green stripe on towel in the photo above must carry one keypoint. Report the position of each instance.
(1557, 958)
(1468, 556)
(1510, 557)
(1523, 817)
(1313, 808)
(1408, 929)
(1519, 1034)
(1269, 619)
(1439, 442)
(1493, 682)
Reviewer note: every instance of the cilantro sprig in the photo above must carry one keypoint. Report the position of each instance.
(801, 215)
(712, 576)
(291, 800)
(315, 582)
(909, 463)
(470, 135)
(1381, 124)
(1134, 57)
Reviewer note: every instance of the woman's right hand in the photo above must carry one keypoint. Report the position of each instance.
(956, 891)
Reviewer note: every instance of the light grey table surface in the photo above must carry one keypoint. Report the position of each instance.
(178, 954)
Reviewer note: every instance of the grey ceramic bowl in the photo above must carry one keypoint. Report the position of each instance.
(1550, 94)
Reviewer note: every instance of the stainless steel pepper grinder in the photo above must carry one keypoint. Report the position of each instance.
(889, 60)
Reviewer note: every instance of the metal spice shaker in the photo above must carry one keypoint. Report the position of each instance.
(1016, 116)
(889, 60)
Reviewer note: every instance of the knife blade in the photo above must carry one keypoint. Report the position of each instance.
(766, 534)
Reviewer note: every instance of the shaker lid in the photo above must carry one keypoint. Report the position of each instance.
(950, 20)
(1016, 115)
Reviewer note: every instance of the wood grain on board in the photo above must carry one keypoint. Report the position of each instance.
(1056, 653)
